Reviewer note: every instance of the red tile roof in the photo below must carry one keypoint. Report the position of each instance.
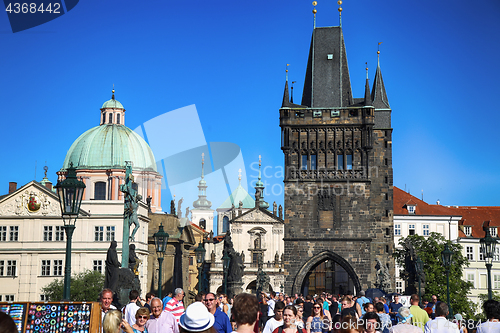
(402, 199)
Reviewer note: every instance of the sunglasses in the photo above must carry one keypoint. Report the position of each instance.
(142, 317)
(316, 307)
(209, 300)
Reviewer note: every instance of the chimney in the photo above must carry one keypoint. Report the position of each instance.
(12, 187)
(48, 185)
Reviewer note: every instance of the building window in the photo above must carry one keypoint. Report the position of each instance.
(3, 233)
(203, 224)
(100, 191)
(397, 230)
(470, 278)
(496, 281)
(118, 119)
(303, 162)
(411, 209)
(469, 250)
(58, 267)
(340, 162)
(467, 230)
(348, 161)
(493, 231)
(45, 267)
(426, 229)
(110, 233)
(59, 233)
(11, 267)
(191, 261)
(47, 233)
(399, 287)
(43, 298)
(2, 267)
(98, 234)
(98, 265)
(496, 255)
(110, 118)
(9, 298)
(225, 224)
(411, 229)
(314, 160)
(103, 117)
(14, 233)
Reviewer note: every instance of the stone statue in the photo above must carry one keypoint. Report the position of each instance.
(383, 276)
(133, 260)
(235, 270)
(148, 202)
(212, 257)
(112, 267)
(242, 256)
(187, 212)
(240, 204)
(132, 199)
(280, 210)
(276, 258)
(274, 208)
(233, 213)
(179, 211)
(262, 283)
(172, 207)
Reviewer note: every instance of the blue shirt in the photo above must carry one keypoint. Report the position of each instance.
(222, 324)
(165, 300)
(361, 301)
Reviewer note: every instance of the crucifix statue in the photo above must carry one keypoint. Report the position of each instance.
(132, 199)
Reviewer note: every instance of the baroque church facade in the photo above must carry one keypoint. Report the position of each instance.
(338, 176)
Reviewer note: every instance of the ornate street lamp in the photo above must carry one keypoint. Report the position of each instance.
(161, 238)
(225, 263)
(70, 192)
(419, 268)
(200, 258)
(447, 256)
(488, 245)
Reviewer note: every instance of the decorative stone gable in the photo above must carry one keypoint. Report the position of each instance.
(256, 216)
(30, 202)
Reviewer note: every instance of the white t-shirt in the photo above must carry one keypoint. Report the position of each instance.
(270, 307)
(271, 325)
(489, 327)
(130, 311)
(441, 325)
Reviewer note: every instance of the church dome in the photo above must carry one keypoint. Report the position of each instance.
(112, 104)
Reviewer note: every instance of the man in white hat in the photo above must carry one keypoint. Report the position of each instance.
(196, 318)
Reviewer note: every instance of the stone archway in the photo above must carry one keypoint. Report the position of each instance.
(315, 261)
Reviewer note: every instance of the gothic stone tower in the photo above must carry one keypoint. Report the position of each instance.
(338, 176)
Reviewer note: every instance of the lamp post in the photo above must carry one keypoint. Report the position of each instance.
(447, 256)
(200, 258)
(70, 192)
(225, 262)
(419, 268)
(161, 238)
(488, 245)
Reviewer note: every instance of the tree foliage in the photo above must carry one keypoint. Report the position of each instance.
(85, 287)
(429, 250)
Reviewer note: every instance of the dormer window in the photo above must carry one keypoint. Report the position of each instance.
(411, 209)
(468, 230)
(493, 231)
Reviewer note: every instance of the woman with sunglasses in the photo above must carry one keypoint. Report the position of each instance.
(317, 323)
(298, 318)
(141, 317)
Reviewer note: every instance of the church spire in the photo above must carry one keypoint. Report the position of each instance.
(286, 97)
(368, 98)
(202, 202)
(379, 96)
(259, 190)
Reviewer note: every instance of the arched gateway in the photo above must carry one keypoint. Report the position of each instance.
(328, 272)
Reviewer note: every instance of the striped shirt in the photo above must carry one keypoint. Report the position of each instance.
(176, 308)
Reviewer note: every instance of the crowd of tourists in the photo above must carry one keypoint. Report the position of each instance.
(272, 313)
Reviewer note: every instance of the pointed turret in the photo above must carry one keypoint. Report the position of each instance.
(379, 96)
(368, 98)
(286, 99)
(202, 202)
(259, 190)
(327, 83)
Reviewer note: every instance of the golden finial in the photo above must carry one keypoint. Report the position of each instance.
(113, 92)
(202, 157)
(340, 12)
(239, 175)
(314, 3)
(366, 63)
(286, 71)
(260, 160)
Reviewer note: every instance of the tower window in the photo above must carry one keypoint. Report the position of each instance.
(110, 118)
(313, 162)
(303, 162)
(340, 162)
(348, 160)
(118, 119)
(468, 230)
(100, 191)
(103, 117)
(225, 224)
(203, 223)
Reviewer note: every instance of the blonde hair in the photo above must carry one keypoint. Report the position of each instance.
(142, 312)
(112, 321)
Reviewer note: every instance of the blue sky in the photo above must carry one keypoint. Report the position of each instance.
(439, 62)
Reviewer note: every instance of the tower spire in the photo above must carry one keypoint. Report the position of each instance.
(202, 202)
(368, 98)
(379, 96)
(286, 96)
(259, 188)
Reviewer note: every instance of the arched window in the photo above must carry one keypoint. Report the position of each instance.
(100, 191)
(110, 118)
(203, 223)
(225, 224)
(103, 117)
(118, 119)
